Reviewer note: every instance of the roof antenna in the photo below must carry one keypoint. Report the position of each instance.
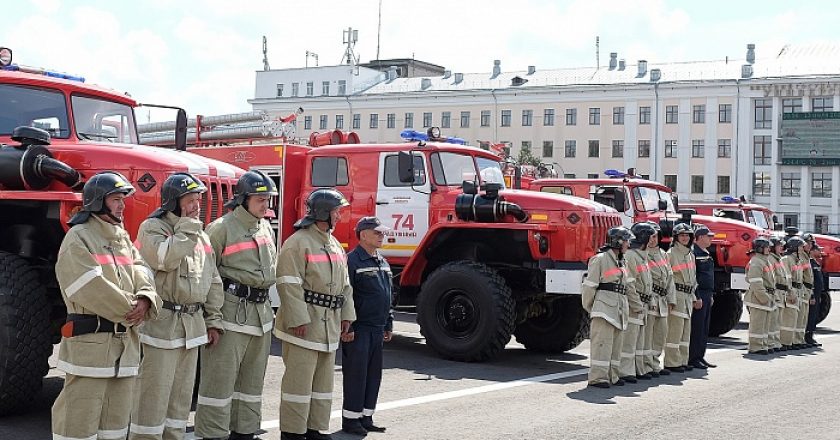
(266, 67)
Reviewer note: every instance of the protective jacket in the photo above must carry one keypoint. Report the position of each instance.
(662, 279)
(794, 266)
(681, 259)
(639, 293)
(807, 276)
(783, 278)
(604, 291)
(760, 293)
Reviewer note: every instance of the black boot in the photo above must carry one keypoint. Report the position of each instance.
(238, 436)
(367, 423)
(353, 426)
(312, 434)
(292, 436)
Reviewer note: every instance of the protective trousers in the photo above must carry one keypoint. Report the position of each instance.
(642, 348)
(757, 331)
(677, 342)
(656, 330)
(700, 320)
(230, 392)
(773, 330)
(787, 326)
(361, 365)
(306, 389)
(165, 386)
(604, 351)
(93, 408)
(629, 339)
(802, 319)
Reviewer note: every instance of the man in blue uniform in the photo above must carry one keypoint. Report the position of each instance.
(705, 291)
(361, 356)
(819, 287)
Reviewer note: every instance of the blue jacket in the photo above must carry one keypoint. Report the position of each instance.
(370, 276)
(819, 281)
(705, 267)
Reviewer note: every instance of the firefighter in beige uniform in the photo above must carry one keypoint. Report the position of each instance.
(663, 301)
(681, 259)
(108, 291)
(638, 297)
(173, 243)
(604, 297)
(805, 293)
(316, 309)
(232, 372)
(760, 296)
(790, 313)
(782, 289)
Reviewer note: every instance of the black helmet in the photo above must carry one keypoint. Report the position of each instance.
(642, 232)
(793, 244)
(617, 236)
(775, 240)
(174, 187)
(96, 189)
(252, 183)
(683, 228)
(791, 231)
(319, 204)
(759, 244)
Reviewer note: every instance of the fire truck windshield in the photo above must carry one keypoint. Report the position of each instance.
(647, 199)
(100, 120)
(491, 171)
(759, 219)
(33, 107)
(452, 169)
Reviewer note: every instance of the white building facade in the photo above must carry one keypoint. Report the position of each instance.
(707, 129)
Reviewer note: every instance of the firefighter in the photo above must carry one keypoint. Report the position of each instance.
(790, 312)
(701, 318)
(638, 298)
(819, 287)
(361, 359)
(316, 309)
(173, 243)
(233, 371)
(663, 301)
(759, 297)
(108, 291)
(782, 288)
(806, 293)
(604, 298)
(681, 259)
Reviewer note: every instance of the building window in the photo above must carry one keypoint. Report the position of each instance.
(761, 150)
(427, 119)
(618, 115)
(485, 118)
(671, 181)
(342, 87)
(821, 224)
(527, 118)
(322, 123)
(569, 175)
(592, 176)
(644, 115)
(670, 148)
(325, 88)
(548, 117)
(310, 88)
(821, 185)
(571, 116)
(725, 113)
(548, 149)
(594, 116)
(339, 122)
(697, 148)
(374, 120)
(724, 148)
(763, 113)
(672, 113)
(644, 148)
(617, 148)
(295, 89)
(792, 105)
(357, 121)
(445, 119)
(822, 104)
(279, 90)
(570, 149)
(505, 118)
(791, 184)
(791, 220)
(391, 120)
(594, 148)
(697, 184)
(526, 149)
(698, 114)
(723, 184)
(307, 122)
(409, 120)
(465, 119)
(761, 184)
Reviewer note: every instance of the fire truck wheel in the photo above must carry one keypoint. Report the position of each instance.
(25, 344)
(563, 327)
(825, 307)
(726, 312)
(465, 311)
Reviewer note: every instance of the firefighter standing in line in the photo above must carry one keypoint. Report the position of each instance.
(681, 259)
(806, 293)
(604, 298)
(819, 286)
(361, 359)
(233, 371)
(316, 310)
(108, 291)
(759, 298)
(172, 241)
(664, 299)
(638, 296)
(790, 313)
(782, 289)
(701, 317)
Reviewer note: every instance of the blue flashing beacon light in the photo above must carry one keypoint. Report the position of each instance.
(729, 199)
(414, 135)
(614, 173)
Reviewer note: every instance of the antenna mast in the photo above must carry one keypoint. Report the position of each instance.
(351, 36)
(265, 54)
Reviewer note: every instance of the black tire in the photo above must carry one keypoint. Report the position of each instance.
(726, 312)
(25, 343)
(825, 307)
(562, 328)
(465, 311)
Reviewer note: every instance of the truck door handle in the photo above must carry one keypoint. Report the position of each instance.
(383, 202)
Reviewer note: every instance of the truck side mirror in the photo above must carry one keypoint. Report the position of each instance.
(776, 225)
(181, 130)
(405, 166)
(619, 200)
(676, 200)
(662, 205)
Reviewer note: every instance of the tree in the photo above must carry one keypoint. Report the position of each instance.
(526, 156)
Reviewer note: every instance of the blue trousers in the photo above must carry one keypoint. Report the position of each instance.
(700, 320)
(812, 313)
(361, 365)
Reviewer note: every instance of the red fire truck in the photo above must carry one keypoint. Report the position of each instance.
(56, 132)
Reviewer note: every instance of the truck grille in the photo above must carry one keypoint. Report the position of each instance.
(601, 223)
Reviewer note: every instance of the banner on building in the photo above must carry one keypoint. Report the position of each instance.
(810, 138)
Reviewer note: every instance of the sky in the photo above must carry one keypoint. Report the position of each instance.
(202, 55)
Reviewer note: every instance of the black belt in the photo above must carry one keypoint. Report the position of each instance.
(781, 287)
(182, 308)
(808, 285)
(323, 299)
(797, 285)
(83, 324)
(645, 297)
(770, 290)
(659, 290)
(685, 288)
(248, 293)
(613, 287)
